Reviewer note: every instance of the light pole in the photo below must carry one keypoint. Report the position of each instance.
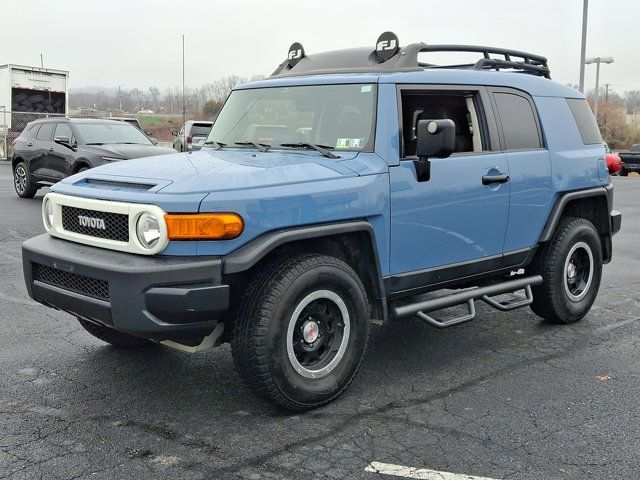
(597, 61)
(184, 107)
(583, 48)
(120, 96)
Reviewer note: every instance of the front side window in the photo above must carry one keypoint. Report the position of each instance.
(95, 133)
(460, 107)
(63, 130)
(518, 122)
(340, 117)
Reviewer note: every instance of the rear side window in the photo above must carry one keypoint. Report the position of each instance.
(586, 122)
(518, 122)
(45, 132)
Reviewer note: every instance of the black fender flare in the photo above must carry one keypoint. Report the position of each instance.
(250, 254)
(561, 203)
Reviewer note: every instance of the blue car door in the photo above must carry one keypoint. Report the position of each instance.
(456, 219)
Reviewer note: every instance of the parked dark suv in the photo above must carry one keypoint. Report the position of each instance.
(51, 149)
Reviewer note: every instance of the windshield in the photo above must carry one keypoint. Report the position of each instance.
(340, 117)
(200, 129)
(103, 133)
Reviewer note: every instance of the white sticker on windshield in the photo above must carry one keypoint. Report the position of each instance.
(365, 89)
(343, 143)
(356, 143)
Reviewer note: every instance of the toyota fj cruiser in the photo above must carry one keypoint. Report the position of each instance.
(330, 197)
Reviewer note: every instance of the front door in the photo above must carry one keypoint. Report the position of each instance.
(457, 216)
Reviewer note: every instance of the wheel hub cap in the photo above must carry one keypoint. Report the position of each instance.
(578, 269)
(310, 332)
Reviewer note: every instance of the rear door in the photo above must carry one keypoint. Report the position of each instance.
(454, 220)
(529, 162)
(42, 147)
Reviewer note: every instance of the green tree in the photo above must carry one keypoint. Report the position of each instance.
(211, 108)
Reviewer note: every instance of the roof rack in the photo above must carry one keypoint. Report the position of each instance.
(388, 56)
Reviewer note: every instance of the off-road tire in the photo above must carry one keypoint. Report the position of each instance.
(262, 330)
(21, 181)
(114, 337)
(551, 300)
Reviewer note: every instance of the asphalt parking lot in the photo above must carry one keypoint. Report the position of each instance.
(505, 396)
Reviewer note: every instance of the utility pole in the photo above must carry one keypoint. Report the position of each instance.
(184, 106)
(597, 61)
(583, 49)
(41, 61)
(606, 95)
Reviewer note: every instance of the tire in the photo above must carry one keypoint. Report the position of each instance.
(571, 268)
(624, 172)
(114, 337)
(301, 331)
(21, 181)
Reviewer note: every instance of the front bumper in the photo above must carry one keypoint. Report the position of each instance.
(161, 298)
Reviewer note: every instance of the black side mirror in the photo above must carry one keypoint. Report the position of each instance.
(436, 138)
(65, 142)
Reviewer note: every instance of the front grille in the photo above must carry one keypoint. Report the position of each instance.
(116, 225)
(117, 184)
(73, 282)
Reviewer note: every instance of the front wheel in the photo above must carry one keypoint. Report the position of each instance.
(301, 331)
(571, 268)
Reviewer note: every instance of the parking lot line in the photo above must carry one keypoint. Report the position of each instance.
(419, 473)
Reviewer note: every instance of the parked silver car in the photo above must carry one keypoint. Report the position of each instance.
(192, 135)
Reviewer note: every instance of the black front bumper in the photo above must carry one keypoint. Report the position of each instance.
(162, 298)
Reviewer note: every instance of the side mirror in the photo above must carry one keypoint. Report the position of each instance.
(436, 138)
(153, 140)
(62, 140)
(174, 133)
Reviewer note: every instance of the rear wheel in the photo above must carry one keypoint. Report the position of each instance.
(302, 331)
(21, 181)
(114, 337)
(571, 267)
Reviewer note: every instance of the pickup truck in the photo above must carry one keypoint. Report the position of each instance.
(630, 160)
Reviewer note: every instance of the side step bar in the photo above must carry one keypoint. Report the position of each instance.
(420, 309)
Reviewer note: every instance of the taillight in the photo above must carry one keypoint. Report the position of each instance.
(189, 138)
(613, 161)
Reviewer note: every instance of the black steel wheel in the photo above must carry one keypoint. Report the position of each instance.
(301, 331)
(571, 267)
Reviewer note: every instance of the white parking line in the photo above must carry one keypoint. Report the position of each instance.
(419, 473)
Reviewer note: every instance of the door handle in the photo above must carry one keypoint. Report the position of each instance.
(29, 144)
(499, 178)
(51, 149)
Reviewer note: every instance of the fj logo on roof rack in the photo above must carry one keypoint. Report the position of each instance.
(387, 46)
(296, 52)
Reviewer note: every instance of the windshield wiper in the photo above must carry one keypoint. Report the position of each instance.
(323, 149)
(263, 147)
(216, 145)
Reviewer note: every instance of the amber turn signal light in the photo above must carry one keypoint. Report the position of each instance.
(204, 226)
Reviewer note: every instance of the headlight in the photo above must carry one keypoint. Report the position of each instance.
(148, 230)
(47, 213)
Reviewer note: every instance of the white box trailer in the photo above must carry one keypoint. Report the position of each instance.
(32, 89)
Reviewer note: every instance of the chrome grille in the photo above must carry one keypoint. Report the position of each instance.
(116, 224)
(73, 282)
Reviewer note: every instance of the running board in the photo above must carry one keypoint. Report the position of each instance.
(486, 294)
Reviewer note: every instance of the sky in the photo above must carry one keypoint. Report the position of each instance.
(137, 43)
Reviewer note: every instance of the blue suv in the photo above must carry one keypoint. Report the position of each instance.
(333, 196)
